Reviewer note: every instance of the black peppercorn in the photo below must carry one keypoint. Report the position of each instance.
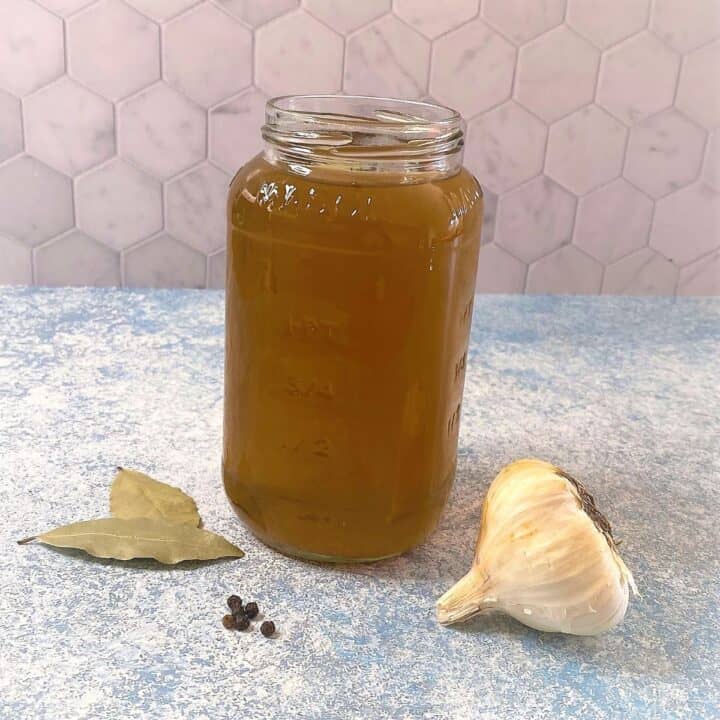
(234, 603)
(267, 628)
(251, 610)
(242, 622)
(228, 622)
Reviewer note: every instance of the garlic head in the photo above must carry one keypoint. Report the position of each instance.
(545, 556)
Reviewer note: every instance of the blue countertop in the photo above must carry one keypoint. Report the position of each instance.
(624, 393)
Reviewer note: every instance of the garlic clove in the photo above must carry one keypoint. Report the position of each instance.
(545, 556)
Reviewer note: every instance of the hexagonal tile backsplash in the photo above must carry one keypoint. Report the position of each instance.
(595, 131)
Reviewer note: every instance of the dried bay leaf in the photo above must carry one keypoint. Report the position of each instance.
(134, 494)
(128, 538)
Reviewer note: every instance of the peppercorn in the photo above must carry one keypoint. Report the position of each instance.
(234, 603)
(228, 622)
(251, 610)
(242, 622)
(267, 628)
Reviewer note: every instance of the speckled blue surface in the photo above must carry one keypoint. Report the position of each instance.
(624, 393)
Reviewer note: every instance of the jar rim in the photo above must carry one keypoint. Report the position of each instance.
(370, 133)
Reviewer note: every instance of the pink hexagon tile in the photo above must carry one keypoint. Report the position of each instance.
(31, 46)
(698, 94)
(297, 54)
(547, 82)
(216, 270)
(687, 223)
(207, 55)
(505, 147)
(257, 12)
(644, 272)
(475, 50)
(235, 130)
(76, 259)
(567, 271)
(35, 201)
(196, 208)
(11, 131)
(160, 10)
(16, 265)
(613, 221)
(113, 49)
(618, 19)
(638, 78)
(118, 204)
(387, 58)
(68, 127)
(520, 20)
(686, 25)
(432, 18)
(490, 201)
(347, 15)
(64, 7)
(585, 149)
(534, 219)
(162, 262)
(161, 131)
(711, 172)
(701, 277)
(664, 153)
(499, 271)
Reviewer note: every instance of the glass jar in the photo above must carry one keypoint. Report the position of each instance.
(352, 251)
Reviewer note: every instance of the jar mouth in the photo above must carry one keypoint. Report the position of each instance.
(364, 132)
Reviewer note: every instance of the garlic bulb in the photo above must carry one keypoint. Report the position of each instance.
(545, 556)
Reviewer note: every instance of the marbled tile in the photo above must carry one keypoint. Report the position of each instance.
(31, 46)
(499, 272)
(686, 223)
(387, 58)
(207, 55)
(685, 26)
(118, 204)
(432, 18)
(196, 205)
(160, 10)
(161, 131)
(68, 127)
(163, 262)
(534, 219)
(613, 221)
(11, 131)
(64, 7)
(257, 12)
(638, 78)
(36, 202)
(664, 153)
(297, 54)
(619, 19)
(490, 201)
(113, 49)
(76, 259)
(547, 83)
(235, 130)
(711, 171)
(644, 272)
(15, 262)
(520, 20)
(585, 149)
(567, 270)
(347, 15)
(216, 270)
(698, 94)
(701, 277)
(505, 147)
(474, 50)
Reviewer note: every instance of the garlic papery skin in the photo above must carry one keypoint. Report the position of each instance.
(545, 556)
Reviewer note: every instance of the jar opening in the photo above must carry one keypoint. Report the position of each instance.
(360, 133)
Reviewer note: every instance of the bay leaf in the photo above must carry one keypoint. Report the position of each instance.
(127, 538)
(134, 494)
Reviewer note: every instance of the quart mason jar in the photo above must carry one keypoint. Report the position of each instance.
(352, 250)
